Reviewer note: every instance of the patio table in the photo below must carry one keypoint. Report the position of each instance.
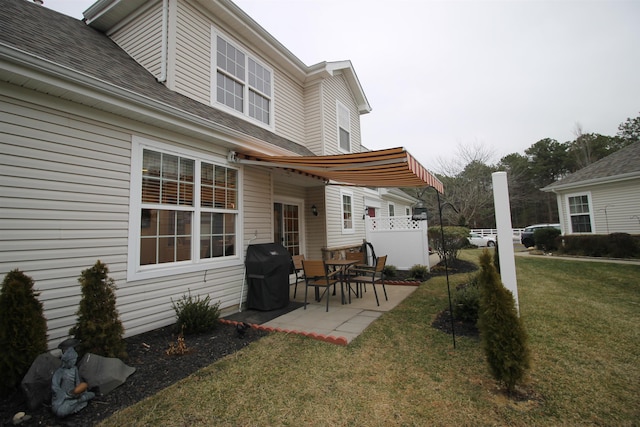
(342, 265)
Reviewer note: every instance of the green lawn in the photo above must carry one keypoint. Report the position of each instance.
(583, 321)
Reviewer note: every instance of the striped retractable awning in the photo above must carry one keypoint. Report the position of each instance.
(393, 167)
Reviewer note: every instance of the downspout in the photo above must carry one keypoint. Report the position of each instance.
(164, 43)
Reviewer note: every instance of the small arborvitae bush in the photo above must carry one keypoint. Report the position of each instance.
(466, 300)
(98, 327)
(390, 271)
(196, 315)
(502, 333)
(23, 329)
(419, 272)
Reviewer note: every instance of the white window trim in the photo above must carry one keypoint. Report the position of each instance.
(351, 230)
(391, 209)
(340, 106)
(568, 212)
(137, 272)
(214, 86)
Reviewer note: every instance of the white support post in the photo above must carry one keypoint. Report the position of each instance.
(505, 234)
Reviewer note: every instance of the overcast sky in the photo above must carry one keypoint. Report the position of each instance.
(441, 75)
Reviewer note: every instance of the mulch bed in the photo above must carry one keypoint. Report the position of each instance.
(155, 370)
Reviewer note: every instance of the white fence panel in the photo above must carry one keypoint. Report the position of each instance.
(402, 239)
(493, 232)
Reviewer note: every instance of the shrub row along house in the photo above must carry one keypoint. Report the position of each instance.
(162, 137)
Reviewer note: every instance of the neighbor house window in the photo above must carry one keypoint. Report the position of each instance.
(580, 214)
(187, 207)
(392, 209)
(344, 128)
(242, 83)
(347, 211)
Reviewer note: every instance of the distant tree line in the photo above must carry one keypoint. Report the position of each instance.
(468, 198)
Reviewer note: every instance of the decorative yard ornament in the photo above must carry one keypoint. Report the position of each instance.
(69, 396)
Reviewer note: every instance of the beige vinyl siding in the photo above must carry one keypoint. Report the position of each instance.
(314, 124)
(336, 88)
(65, 203)
(316, 226)
(335, 236)
(192, 73)
(621, 200)
(258, 204)
(141, 38)
(64, 186)
(289, 108)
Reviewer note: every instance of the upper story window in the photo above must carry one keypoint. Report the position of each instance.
(580, 214)
(344, 128)
(184, 211)
(243, 85)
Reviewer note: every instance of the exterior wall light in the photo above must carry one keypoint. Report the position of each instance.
(314, 210)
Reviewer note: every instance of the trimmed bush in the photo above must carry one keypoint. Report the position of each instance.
(623, 245)
(98, 326)
(545, 238)
(390, 271)
(614, 245)
(419, 272)
(503, 337)
(23, 329)
(196, 315)
(466, 300)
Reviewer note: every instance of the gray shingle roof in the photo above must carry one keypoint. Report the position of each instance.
(624, 162)
(68, 42)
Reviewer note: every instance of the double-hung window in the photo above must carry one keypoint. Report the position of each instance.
(243, 85)
(184, 211)
(580, 214)
(347, 211)
(344, 128)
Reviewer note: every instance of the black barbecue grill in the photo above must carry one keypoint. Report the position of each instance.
(268, 266)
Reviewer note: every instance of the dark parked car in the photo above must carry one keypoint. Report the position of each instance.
(526, 238)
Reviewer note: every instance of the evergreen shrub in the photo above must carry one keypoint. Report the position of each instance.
(623, 245)
(503, 337)
(98, 326)
(466, 300)
(419, 272)
(196, 315)
(23, 329)
(390, 271)
(545, 238)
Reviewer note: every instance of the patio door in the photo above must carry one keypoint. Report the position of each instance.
(287, 226)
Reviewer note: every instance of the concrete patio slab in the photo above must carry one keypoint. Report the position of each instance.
(345, 321)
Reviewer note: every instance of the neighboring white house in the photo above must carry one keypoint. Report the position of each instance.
(129, 137)
(603, 197)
